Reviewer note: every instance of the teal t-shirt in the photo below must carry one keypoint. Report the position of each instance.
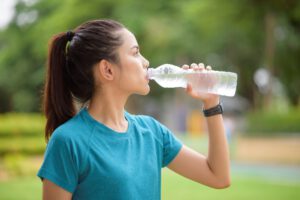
(94, 162)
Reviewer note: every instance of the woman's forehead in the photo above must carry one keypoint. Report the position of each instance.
(129, 39)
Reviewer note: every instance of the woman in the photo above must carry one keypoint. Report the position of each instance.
(104, 152)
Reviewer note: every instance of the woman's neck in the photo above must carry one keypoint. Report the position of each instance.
(109, 109)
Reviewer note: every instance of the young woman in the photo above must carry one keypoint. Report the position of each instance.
(102, 151)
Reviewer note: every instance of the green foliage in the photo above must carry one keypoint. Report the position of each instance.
(227, 35)
(24, 145)
(22, 125)
(272, 123)
(19, 165)
(22, 134)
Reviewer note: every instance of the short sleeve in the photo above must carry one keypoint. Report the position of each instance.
(59, 166)
(171, 146)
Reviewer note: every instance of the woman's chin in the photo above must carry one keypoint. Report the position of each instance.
(145, 91)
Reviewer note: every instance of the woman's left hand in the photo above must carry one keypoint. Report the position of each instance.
(209, 100)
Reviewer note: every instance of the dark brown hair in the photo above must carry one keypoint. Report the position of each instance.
(71, 58)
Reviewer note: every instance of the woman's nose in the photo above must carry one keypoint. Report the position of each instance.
(145, 63)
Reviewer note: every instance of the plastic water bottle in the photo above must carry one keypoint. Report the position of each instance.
(215, 82)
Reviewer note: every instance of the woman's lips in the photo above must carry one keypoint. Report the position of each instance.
(147, 77)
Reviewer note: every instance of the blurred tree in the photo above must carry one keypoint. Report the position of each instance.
(229, 35)
(282, 44)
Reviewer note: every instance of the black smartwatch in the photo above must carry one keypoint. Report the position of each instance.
(213, 111)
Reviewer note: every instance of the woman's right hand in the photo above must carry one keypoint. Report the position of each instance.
(209, 100)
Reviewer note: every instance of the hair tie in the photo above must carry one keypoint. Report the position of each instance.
(70, 35)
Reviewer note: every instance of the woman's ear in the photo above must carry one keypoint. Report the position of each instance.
(105, 70)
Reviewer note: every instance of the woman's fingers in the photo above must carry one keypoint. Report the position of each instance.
(185, 66)
(201, 66)
(196, 67)
(189, 88)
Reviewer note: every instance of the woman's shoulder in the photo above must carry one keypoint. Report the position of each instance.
(75, 129)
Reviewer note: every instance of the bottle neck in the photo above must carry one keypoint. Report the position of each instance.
(151, 73)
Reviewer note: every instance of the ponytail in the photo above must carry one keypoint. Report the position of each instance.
(70, 75)
(58, 101)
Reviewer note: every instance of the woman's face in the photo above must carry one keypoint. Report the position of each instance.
(132, 72)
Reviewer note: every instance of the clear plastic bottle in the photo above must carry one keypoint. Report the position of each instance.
(216, 82)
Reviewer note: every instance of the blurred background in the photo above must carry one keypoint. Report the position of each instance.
(259, 40)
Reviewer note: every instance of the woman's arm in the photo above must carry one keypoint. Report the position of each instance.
(52, 191)
(213, 170)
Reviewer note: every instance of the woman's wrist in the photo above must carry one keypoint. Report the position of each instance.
(211, 103)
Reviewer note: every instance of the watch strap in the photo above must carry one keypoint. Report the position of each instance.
(218, 109)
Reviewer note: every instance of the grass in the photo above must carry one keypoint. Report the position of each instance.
(242, 187)
(25, 188)
(175, 187)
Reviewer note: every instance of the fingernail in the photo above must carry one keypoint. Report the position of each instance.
(194, 65)
(201, 65)
(185, 66)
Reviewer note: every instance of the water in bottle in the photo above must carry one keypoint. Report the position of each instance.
(215, 82)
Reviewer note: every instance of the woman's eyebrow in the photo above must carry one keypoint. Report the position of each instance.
(135, 46)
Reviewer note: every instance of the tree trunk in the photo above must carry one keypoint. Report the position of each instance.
(270, 22)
